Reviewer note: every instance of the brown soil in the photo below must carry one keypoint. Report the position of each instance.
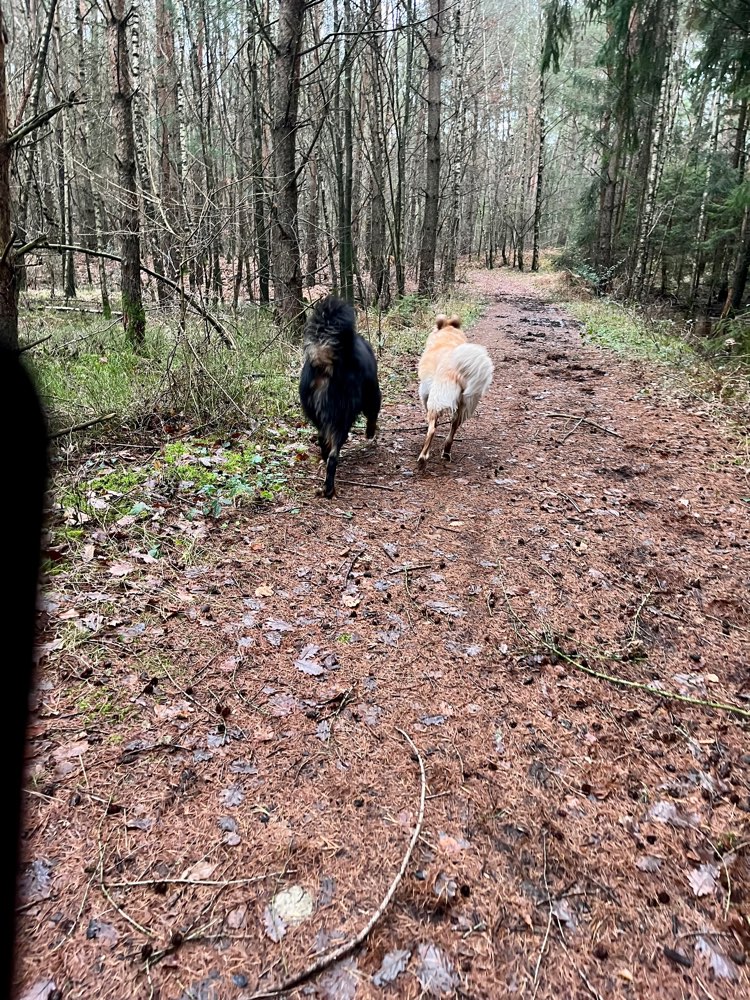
(580, 838)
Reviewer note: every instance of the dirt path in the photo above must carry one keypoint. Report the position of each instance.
(579, 838)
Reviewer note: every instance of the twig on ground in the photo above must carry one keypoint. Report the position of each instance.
(83, 426)
(583, 420)
(622, 681)
(548, 928)
(34, 343)
(408, 568)
(370, 486)
(355, 557)
(345, 949)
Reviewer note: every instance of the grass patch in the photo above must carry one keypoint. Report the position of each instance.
(622, 330)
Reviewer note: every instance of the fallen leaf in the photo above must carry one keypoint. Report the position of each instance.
(121, 569)
(41, 990)
(648, 863)
(703, 880)
(323, 731)
(720, 964)
(87, 553)
(273, 924)
(103, 931)
(340, 982)
(393, 964)
(199, 872)
(351, 600)
(264, 591)
(232, 796)
(237, 917)
(435, 971)
(35, 882)
(562, 911)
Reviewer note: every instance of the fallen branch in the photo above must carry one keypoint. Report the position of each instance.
(622, 681)
(73, 309)
(584, 420)
(345, 949)
(83, 426)
(34, 343)
(409, 569)
(370, 486)
(224, 334)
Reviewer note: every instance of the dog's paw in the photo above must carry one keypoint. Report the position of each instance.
(446, 456)
(422, 461)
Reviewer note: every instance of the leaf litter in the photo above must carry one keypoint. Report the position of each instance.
(603, 756)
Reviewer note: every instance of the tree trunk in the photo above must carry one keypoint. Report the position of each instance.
(133, 315)
(287, 266)
(432, 168)
(738, 280)
(8, 275)
(168, 140)
(700, 262)
(539, 177)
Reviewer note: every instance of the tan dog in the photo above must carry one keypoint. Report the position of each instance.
(453, 377)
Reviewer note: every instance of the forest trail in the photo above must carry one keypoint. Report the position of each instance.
(579, 837)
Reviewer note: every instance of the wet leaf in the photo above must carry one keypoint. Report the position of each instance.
(393, 964)
(199, 872)
(445, 887)
(703, 880)
(237, 917)
(41, 990)
(232, 796)
(103, 931)
(648, 863)
(121, 569)
(340, 982)
(35, 883)
(667, 812)
(720, 964)
(561, 910)
(435, 971)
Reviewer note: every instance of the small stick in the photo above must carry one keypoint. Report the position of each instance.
(192, 881)
(545, 939)
(409, 569)
(345, 949)
(355, 557)
(370, 486)
(34, 343)
(584, 420)
(83, 426)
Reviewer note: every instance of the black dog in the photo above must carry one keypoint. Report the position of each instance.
(339, 380)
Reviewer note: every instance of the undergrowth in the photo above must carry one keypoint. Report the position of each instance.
(85, 368)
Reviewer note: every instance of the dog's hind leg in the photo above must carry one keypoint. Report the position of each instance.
(324, 446)
(371, 409)
(448, 443)
(431, 427)
(332, 462)
(458, 418)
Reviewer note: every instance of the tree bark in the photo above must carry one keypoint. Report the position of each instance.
(8, 274)
(133, 315)
(286, 83)
(432, 167)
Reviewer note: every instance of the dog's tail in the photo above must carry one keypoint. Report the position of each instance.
(330, 330)
(461, 381)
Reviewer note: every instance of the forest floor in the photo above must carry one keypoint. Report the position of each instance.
(220, 790)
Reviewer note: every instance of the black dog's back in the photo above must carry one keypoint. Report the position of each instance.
(339, 379)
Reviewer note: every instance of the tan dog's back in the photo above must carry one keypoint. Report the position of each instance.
(446, 335)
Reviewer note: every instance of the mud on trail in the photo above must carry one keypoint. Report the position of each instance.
(580, 839)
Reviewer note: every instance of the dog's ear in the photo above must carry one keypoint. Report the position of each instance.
(440, 321)
(455, 321)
